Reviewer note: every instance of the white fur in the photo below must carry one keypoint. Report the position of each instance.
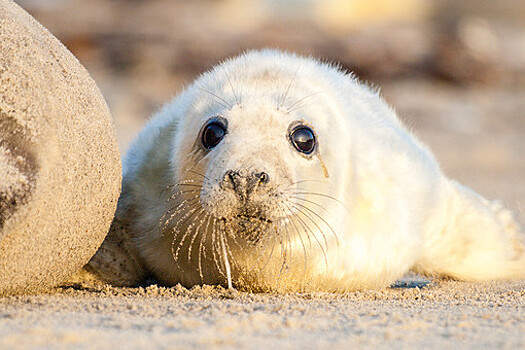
(394, 208)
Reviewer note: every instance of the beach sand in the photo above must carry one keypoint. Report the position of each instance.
(441, 314)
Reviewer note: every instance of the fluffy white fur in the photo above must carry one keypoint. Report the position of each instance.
(388, 207)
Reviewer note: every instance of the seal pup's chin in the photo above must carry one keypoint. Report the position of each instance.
(249, 228)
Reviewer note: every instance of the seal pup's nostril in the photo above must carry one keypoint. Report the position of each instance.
(231, 180)
(262, 177)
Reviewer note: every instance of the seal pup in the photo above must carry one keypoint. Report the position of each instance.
(279, 172)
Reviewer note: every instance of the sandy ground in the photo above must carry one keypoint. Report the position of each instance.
(476, 131)
(442, 314)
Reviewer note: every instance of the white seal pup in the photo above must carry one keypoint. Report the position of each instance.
(279, 172)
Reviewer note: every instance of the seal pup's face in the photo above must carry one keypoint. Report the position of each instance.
(249, 170)
(248, 178)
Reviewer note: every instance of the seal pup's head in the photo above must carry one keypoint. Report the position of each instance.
(257, 177)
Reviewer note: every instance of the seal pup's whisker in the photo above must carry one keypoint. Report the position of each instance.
(202, 247)
(311, 202)
(183, 185)
(307, 215)
(233, 260)
(179, 205)
(180, 192)
(170, 214)
(181, 197)
(271, 250)
(314, 235)
(196, 156)
(227, 264)
(236, 241)
(308, 232)
(289, 108)
(298, 232)
(290, 186)
(286, 251)
(177, 229)
(186, 181)
(317, 215)
(189, 185)
(183, 212)
(284, 264)
(196, 233)
(323, 195)
(237, 97)
(224, 103)
(291, 221)
(215, 243)
(196, 173)
(283, 99)
(222, 247)
(177, 187)
(303, 105)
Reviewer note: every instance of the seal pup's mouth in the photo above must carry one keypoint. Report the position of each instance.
(244, 231)
(250, 227)
(248, 217)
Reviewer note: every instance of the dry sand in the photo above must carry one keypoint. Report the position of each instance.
(443, 314)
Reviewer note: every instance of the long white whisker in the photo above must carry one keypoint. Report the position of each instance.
(224, 103)
(308, 229)
(196, 173)
(202, 247)
(323, 220)
(196, 233)
(215, 244)
(237, 97)
(302, 242)
(176, 231)
(281, 103)
(289, 108)
(225, 257)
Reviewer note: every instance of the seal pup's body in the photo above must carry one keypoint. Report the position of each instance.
(277, 172)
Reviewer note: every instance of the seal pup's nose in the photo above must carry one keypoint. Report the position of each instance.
(244, 183)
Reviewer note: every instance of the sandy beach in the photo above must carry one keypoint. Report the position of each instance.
(477, 131)
(413, 314)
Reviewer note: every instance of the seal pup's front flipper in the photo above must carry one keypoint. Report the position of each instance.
(471, 238)
(117, 261)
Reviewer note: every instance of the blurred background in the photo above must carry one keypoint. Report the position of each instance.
(453, 70)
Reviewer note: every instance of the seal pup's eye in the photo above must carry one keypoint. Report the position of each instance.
(302, 138)
(213, 132)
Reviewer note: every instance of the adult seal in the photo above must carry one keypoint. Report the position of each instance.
(278, 172)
